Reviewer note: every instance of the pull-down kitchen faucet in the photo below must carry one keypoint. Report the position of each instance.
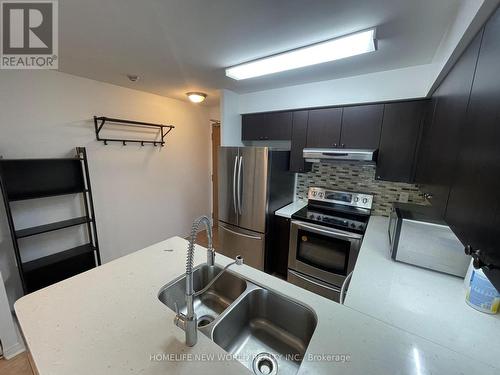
(189, 322)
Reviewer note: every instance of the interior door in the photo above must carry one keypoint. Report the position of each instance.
(236, 241)
(215, 172)
(228, 163)
(252, 188)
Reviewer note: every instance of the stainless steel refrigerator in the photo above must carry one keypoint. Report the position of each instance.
(253, 183)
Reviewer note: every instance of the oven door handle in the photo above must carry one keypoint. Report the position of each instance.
(328, 232)
(317, 283)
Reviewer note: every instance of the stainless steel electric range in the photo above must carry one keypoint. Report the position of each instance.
(325, 239)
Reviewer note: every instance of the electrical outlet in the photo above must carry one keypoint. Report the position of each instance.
(403, 197)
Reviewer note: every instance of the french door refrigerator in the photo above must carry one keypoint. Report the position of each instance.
(253, 183)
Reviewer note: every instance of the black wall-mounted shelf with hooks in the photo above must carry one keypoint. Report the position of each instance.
(99, 123)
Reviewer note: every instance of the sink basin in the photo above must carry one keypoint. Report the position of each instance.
(210, 304)
(266, 332)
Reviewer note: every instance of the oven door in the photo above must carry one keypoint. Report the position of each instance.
(325, 253)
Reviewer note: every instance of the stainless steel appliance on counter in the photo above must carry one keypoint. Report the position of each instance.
(418, 236)
(325, 238)
(253, 183)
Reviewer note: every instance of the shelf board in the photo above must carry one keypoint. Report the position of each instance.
(22, 233)
(57, 257)
(35, 178)
(53, 194)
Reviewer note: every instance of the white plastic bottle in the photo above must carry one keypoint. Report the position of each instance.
(481, 294)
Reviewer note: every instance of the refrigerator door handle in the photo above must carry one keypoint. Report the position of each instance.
(239, 185)
(241, 234)
(234, 184)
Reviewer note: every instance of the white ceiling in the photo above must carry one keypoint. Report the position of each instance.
(177, 46)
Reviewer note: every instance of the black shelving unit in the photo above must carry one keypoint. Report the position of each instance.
(25, 179)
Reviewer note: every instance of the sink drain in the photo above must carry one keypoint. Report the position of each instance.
(265, 364)
(205, 320)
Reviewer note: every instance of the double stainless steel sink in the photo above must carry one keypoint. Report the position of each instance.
(267, 332)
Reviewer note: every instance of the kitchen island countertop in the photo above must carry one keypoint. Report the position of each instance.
(109, 321)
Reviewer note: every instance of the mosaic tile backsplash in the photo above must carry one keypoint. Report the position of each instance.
(361, 179)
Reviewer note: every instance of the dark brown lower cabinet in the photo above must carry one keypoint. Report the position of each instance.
(401, 129)
(277, 253)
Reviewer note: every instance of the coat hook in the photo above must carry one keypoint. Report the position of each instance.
(154, 144)
(105, 142)
(124, 143)
(142, 143)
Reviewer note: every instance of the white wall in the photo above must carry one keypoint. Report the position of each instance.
(142, 195)
(11, 342)
(230, 134)
(471, 16)
(404, 83)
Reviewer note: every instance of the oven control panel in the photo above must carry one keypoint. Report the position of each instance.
(348, 224)
(341, 197)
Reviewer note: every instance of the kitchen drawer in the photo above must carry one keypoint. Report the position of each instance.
(314, 285)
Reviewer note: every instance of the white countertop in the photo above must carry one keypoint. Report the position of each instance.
(423, 302)
(290, 209)
(109, 321)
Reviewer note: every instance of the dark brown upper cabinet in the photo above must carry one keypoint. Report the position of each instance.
(361, 126)
(323, 127)
(299, 137)
(442, 129)
(474, 202)
(401, 129)
(272, 126)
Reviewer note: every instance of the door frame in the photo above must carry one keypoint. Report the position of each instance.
(214, 173)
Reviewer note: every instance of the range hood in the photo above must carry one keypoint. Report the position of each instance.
(316, 155)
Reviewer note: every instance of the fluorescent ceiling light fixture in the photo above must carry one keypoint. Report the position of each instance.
(333, 49)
